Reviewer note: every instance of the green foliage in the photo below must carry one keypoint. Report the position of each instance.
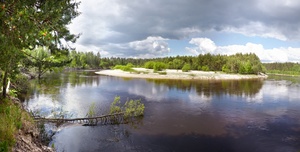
(104, 65)
(243, 64)
(4, 146)
(20, 84)
(91, 112)
(134, 108)
(159, 66)
(26, 24)
(186, 67)
(149, 65)
(283, 68)
(238, 63)
(177, 64)
(13, 93)
(245, 68)
(42, 60)
(127, 67)
(156, 66)
(131, 108)
(11, 121)
(225, 69)
(205, 68)
(115, 106)
(85, 60)
(130, 65)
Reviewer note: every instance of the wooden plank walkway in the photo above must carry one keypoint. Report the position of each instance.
(116, 118)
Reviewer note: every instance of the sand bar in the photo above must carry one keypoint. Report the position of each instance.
(178, 74)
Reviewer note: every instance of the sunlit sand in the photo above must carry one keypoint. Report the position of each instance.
(177, 74)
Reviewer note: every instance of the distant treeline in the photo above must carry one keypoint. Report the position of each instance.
(288, 68)
(43, 60)
(238, 63)
(84, 60)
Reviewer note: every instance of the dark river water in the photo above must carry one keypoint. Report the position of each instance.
(208, 116)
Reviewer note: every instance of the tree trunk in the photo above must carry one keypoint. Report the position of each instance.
(4, 83)
(39, 72)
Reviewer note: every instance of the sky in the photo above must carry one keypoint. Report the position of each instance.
(160, 28)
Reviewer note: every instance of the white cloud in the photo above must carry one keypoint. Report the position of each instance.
(119, 27)
(266, 55)
(157, 46)
(205, 45)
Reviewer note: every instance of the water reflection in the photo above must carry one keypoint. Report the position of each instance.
(180, 115)
(209, 87)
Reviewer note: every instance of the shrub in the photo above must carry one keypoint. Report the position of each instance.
(134, 108)
(127, 67)
(149, 65)
(21, 84)
(156, 66)
(130, 65)
(205, 68)
(225, 68)
(159, 66)
(131, 108)
(115, 106)
(186, 68)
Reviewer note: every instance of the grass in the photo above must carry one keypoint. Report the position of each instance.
(192, 75)
(162, 73)
(12, 118)
(296, 73)
(91, 112)
(127, 67)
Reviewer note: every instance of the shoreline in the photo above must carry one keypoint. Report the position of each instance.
(281, 74)
(178, 75)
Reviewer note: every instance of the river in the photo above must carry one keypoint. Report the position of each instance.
(237, 116)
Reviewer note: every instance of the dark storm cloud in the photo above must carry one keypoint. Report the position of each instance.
(123, 21)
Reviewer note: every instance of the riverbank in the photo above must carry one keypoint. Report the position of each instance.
(18, 131)
(177, 74)
(283, 74)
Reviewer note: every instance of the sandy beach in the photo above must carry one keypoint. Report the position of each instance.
(177, 74)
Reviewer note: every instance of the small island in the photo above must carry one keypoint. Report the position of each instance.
(202, 67)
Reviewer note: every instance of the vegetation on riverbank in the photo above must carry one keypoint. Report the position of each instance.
(25, 25)
(13, 120)
(238, 63)
(10, 120)
(131, 108)
(286, 68)
(128, 67)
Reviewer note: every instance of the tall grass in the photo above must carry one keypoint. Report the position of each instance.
(11, 120)
(91, 112)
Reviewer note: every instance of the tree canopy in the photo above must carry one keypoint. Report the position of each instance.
(238, 63)
(30, 23)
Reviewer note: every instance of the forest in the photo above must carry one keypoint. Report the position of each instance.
(27, 27)
(238, 63)
(42, 60)
(287, 68)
